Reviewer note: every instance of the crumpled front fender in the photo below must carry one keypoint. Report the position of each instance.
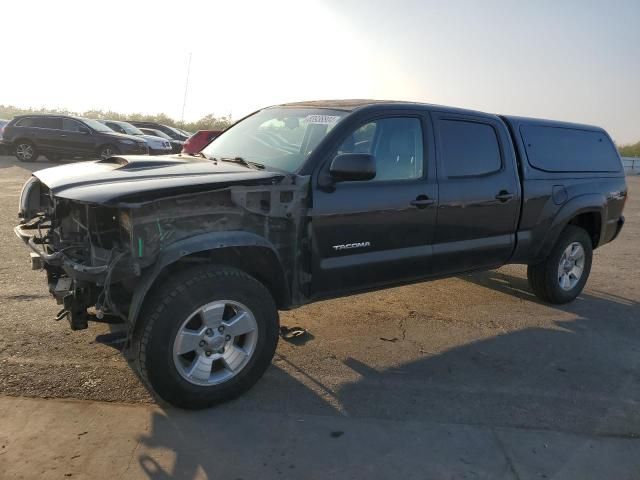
(199, 243)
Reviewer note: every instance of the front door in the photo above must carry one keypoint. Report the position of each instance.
(72, 140)
(377, 232)
(479, 191)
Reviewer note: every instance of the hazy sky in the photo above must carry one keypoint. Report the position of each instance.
(568, 60)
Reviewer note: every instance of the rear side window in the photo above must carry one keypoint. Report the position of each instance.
(468, 149)
(25, 122)
(559, 149)
(48, 122)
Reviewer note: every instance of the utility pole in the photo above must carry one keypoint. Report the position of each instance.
(186, 89)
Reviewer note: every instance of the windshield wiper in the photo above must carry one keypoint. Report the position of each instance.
(242, 161)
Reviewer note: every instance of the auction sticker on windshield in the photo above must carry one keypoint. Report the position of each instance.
(322, 119)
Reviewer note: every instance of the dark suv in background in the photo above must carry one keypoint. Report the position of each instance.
(58, 136)
(3, 148)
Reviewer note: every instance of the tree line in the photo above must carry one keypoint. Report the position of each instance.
(208, 122)
(632, 150)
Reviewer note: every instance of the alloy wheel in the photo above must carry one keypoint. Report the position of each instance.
(106, 153)
(215, 342)
(571, 266)
(24, 151)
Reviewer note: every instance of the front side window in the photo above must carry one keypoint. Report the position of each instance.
(396, 143)
(70, 125)
(468, 149)
(280, 138)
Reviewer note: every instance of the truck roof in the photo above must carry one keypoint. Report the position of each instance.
(518, 121)
(346, 104)
(353, 104)
(350, 105)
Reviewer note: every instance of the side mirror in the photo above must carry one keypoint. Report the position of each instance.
(353, 167)
(84, 130)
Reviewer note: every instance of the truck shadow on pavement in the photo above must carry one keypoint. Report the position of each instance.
(578, 375)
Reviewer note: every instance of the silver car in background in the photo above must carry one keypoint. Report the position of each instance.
(157, 145)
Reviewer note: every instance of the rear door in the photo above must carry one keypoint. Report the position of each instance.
(377, 232)
(479, 192)
(46, 133)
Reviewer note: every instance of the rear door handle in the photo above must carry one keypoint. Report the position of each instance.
(504, 196)
(422, 201)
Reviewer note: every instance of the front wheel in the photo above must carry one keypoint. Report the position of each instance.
(561, 277)
(207, 335)
(107, 151)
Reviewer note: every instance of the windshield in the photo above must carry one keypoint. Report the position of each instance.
(178, 135)
(156, 133)
(128, 128)
(97, 126)
(282, 138)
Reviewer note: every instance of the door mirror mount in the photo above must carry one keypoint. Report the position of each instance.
(353, 167)
(84, 130)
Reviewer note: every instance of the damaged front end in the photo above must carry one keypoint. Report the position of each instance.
(96, 254)
(84, 248)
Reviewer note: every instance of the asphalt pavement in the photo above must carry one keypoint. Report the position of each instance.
(468, 377)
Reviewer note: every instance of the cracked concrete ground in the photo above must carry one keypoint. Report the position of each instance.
(458, 378)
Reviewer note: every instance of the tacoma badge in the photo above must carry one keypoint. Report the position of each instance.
(352, 245)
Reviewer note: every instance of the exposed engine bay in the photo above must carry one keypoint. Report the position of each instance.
(96, 254)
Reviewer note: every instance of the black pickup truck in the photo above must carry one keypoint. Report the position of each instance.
(306, 201)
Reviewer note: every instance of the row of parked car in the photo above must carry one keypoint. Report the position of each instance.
(62, 136)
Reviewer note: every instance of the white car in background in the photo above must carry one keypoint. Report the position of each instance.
(157, 145)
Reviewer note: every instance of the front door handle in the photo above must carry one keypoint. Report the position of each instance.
(422, 201)
(504, 196)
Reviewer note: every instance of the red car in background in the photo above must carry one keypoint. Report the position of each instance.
(196, 142)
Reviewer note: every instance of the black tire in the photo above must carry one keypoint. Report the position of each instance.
(24, 148)
(543, 277)
(169, 306)
(103, 151)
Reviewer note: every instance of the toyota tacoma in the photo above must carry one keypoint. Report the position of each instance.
(306, 201)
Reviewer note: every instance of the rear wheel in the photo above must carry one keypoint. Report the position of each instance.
(26, 151)
(207, 335)
(561, 277)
